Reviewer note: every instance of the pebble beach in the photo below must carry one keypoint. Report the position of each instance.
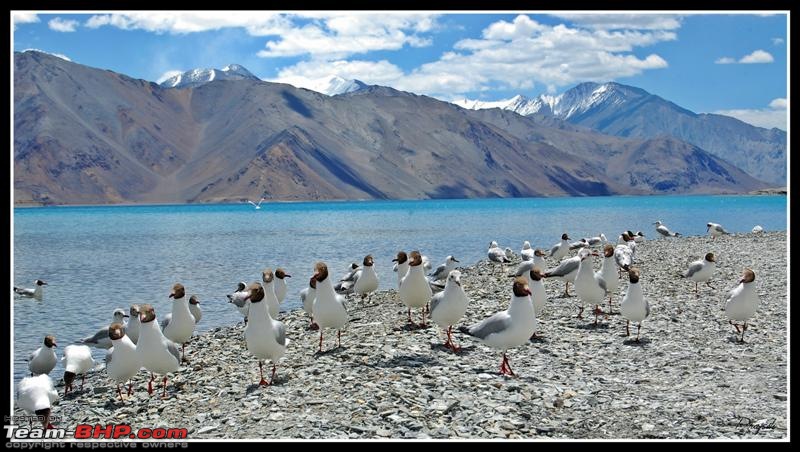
(687, 378)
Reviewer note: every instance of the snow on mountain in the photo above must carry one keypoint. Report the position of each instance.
(333, 85)
(197, 77)
(63, 57)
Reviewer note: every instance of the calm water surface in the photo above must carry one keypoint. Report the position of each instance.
(99, 258)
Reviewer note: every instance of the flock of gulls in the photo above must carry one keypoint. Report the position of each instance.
(157, 347)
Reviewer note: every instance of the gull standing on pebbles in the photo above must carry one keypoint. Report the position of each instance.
(596, 241)
(265, 336)
(194, 308)
(123, 361)
(77, 361)
(307, 297)
(400, 266)
(269, 289)
(496, 254)
(329, 310)
(701, 271)
(609, 275)
(366, 280)
(527, 251)
(449, 306)
(535, 280)
(715, 230)
(566, 271)
(346, 283)
(280, 284)
(132, 327)
(560, 249)
(757, 229)
(181, 323)
(634, 307)
(37, 292)
(100, 338)
(156, 353)
(240, 300)
(589, 286)
(443, 270)
(663, 230)
(742, 302)
(43, 359)
(415, 291)
(36, 396)
(510, 328)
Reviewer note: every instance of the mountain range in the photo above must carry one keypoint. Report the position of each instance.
(87, 135)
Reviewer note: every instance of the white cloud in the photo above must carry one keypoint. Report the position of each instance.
(23, 18)
(59, 55)
(257, 23)
(725, 60)
(62, 25)
(777, 41)
(624, 21)
(168, 75)
(758, 56)
(774, 116)
(307, 74)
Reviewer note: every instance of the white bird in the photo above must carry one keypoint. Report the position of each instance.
(181, 324)
(443, 270)
(329, 310)
(634, 307)
(527, 251)
(589, 286)
(610, 276)
(715, 230)
(663, 230)
(582, 243)
(37, 292)
(123, 361)
(366, 280)
(239, 298)
(535, 280)
(560, 249)
(156, 353)
(265, 336)
(346, 282)
(415, 291)
(701, 270)
(100, 338)
(449, 306)
(400, 266)
(757, 229)
(426, 264)
(742, 302)
(510, 328)
(36, 396)
(307, 297)
(43, 359)
(194, 308)
(639, 237)
(77, 361)
(597, 240)
(496, 254)
(280, 284)
(623, 257)
(268, 280)
(566, 271)
(132, 327)
(257, 206)
(509, 253)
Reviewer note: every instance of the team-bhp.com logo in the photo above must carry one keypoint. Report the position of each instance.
(97, 431)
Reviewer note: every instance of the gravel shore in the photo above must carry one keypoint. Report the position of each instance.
(687, 378)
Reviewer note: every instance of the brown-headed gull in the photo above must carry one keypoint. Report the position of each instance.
(37, 292)
(43, 359)
(701, 270)
(634, 306)
(443, 270)
(663, 230)
(123, 361)
(307, 297)
(265, 336)
(268, 281)
(181, 324)
(566, 271)
(715, 230)
(194, 308)
(560, 249)
(36, 395)
(742, 302)
(280, 284)
(449, 306)
(77, 361)
(132, 327)
(156, 353)
(366, 280)
(100, 338)
(240, 300)
(329, 309)
(415, 291)
(590, 287)
(527, 251)
(510, 328)
(400, 266)
(610, 275)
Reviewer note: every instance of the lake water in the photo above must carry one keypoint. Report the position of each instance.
(98, 258)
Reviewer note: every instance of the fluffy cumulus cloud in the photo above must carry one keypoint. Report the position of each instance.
(773, 116)
(310, 74)
(23, 18)
(257, 23)
(757, 57)
(62, 25)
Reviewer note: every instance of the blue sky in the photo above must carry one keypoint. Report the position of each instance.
(733, 64)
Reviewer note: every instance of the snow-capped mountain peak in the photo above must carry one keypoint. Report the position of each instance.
(333, 85)
(197, 77)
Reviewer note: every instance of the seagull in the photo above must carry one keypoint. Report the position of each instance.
(77, 361)
(265, 336)
(268, 278)
(194, 308)
(400, 266)
(257, 206)
(366, 280)
(663, 230)
(36, 395)
(100, 338)
(156, 353)
(43, 359)
(715, 230)
(329, 310)
(240, 300)
(443, 270)
(639, 237)
(582, 243)
(757, 229)
(280, 284)
(448, 306)
(566, 271)
(742, 302)
(701, 270)
(307, 296)
(527, 251)
(132, 327)
(509, 253)
(496, 254)
(560, 249)
(510, 328)
(123, 362)
(589, 286)
(634, 307)
(415, 291)
(34, 293)
(535, 280)
(609, 275)
(596, 241)
(181, 324)
(346, 283)
(623, 256)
